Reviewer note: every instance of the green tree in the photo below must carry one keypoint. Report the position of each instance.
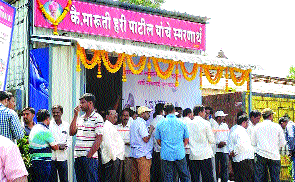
(147, 3)
(291, 73)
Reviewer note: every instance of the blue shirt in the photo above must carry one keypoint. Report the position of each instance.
(10, 125)
(172, 131)
(139, 130)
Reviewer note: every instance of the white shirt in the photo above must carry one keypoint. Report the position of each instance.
(125, 134)
(289, 128)
(200, 139)
(112, 145)
(240, 143)
(250, 130)
(268, 138)
(61, 135)
(214, 126)
(157, 147)
(186, 120)
(222, 133)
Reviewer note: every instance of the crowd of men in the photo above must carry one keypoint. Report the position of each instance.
(174, 145)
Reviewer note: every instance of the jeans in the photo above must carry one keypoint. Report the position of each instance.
(87, 169)
(293, 166)
(169, 168)
(203, 167)
(41, 170)
(156, 167)
(111, 171)
(60, 167)
(261, 164)
(222, 159)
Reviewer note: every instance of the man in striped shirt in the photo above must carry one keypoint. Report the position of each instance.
(88, 130)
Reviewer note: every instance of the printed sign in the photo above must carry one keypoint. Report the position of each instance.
(113, 22)
(7, 14)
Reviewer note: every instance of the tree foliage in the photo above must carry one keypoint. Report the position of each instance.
(147, 3)
(291, 73)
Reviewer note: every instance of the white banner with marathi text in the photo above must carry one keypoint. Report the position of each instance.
(137, 91)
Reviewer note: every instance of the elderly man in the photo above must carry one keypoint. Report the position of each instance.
(89, 131)
(60, 131)
(172, 136)
(28, 114)
(112, 148)
(221, 157)
(11, 101)
(124, 130)
(268, 138)
(141, 145)
(10, 125)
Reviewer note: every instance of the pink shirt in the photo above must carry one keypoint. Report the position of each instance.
(11, 163)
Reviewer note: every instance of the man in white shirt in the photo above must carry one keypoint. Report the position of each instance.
(200, 140)
(221, 137)
(254, 119)
(124, 130)
(112, 148)
(268, 138)
(156, 158)
(60, 131)
(214, 125)
(241, 151)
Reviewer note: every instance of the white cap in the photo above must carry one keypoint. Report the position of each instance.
(143, 109)
(220, 113)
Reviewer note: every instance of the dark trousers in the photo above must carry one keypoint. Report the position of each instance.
(221, 160)
(87, 169)
(156, 168)
(244, 171)
(60, 167)
(203, 167)
(170, 168)
(111, 171)
(262, 164)
(41, 170)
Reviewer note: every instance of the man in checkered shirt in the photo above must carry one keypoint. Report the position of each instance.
(10, 125)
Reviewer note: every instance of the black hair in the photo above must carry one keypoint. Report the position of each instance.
(169, 108)
(58, 107)
(198, 109)
(10, 95)
(89, 97)
(42, 115)
(178, 108)
(32, 110)
(3, 95)
(210, 109)
(242, 118)
(108, 110)
(283, 119)
(240, 113)
(255, 114)
(158, 109)
(186, 112)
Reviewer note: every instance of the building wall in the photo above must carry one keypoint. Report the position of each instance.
(281, 104)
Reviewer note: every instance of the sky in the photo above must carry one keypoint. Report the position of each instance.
(256, 32)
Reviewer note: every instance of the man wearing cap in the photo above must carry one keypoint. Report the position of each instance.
(268, 138)
(141, 145)
(221, 138)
